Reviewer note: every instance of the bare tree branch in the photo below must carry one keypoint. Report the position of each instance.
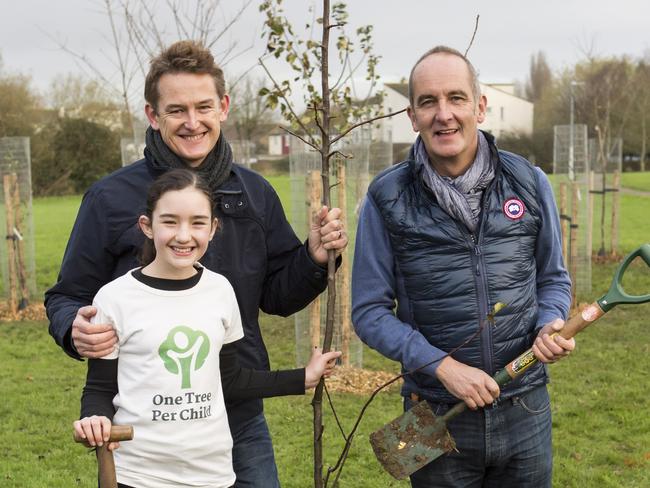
(122, 64)
(289, 106)
(350, 437)
(180, 26)
(473, 36)
(317, 121)
(343, 155)
(230, 23)
(313, 146)
(364, 122)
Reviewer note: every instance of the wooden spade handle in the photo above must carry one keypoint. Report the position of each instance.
(106, 467)
(579, 321)
(105, 462)
(118, 433)
(575, 324)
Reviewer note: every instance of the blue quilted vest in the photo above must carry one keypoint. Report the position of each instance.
(450, 279)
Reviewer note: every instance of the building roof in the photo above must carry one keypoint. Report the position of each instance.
(403, 89)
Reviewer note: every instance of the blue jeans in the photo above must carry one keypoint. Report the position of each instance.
(252, 455)
(506, 445)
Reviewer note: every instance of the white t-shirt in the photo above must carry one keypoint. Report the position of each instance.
(169, 382)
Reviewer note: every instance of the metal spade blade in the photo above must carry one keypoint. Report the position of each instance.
(413, 440)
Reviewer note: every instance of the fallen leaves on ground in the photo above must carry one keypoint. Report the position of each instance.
(360, 381)
(34, 311)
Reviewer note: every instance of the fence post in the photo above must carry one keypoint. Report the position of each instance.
(616, 188)
(564, 223)
(314, 205)
(344, 270)
(574, 243)
(590, 216)
(8, 183)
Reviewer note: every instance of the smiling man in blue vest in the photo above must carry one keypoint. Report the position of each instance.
(443, 237)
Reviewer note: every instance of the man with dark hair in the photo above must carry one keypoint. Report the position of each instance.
(255, 248)
(443, 237)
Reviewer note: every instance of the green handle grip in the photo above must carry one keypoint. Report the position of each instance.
(616, 295)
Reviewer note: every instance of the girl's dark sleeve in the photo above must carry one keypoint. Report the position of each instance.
(244, 384)
(100, 389)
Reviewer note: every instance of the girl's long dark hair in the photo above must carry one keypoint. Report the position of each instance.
(173, 180)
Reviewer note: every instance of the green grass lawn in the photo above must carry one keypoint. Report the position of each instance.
(53, 219)
(600, 405)
(636, 181)
(600, 400)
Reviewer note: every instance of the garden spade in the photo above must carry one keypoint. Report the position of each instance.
(105, 462)
(417, 437)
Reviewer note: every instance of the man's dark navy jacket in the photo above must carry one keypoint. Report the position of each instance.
(255, 248)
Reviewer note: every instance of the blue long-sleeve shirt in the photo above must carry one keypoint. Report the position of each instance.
(377, 287)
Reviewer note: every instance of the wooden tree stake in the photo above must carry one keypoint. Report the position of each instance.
(19, 246)
(314, 187)
(564, 224)
(590, 215)
(616, 187)
(344, 271)
(8, 182)
(574, 242)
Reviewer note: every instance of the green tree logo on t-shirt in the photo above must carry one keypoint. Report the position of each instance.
(184, 351)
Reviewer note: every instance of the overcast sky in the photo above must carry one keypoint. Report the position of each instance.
(509, 32)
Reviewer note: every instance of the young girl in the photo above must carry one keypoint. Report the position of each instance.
(177, 324)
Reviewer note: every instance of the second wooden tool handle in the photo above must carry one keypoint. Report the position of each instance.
(118, 433)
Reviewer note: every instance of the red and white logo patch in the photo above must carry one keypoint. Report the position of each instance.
(514, 208)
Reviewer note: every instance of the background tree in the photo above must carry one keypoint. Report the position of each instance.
(19, 105)
(540, 77)
(71, 154)
(138, 30)
(81, 97)
(640, 117)
(605, 98)
(250, 115)
(540, 88)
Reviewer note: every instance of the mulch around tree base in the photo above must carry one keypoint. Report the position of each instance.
(34, 311)
(360, 381)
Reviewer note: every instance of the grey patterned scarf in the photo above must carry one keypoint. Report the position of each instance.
(460, 197)
(215, 169)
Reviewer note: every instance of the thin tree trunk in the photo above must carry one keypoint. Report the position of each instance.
(314, 183)
(643, 141)
(317, 401)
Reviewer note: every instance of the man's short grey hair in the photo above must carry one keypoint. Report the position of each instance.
(476, 87)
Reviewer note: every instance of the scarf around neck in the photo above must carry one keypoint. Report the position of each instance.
(461, 196)
(215, 169)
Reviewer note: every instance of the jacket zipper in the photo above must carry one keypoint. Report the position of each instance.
(483, 302)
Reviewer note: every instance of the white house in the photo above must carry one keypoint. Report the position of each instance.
(278, 142)
(506, 112)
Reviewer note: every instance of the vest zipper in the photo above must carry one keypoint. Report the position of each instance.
(483, 300)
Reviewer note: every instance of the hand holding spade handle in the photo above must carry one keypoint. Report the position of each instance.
(105, 462)
(614, 296)
(573, 326)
